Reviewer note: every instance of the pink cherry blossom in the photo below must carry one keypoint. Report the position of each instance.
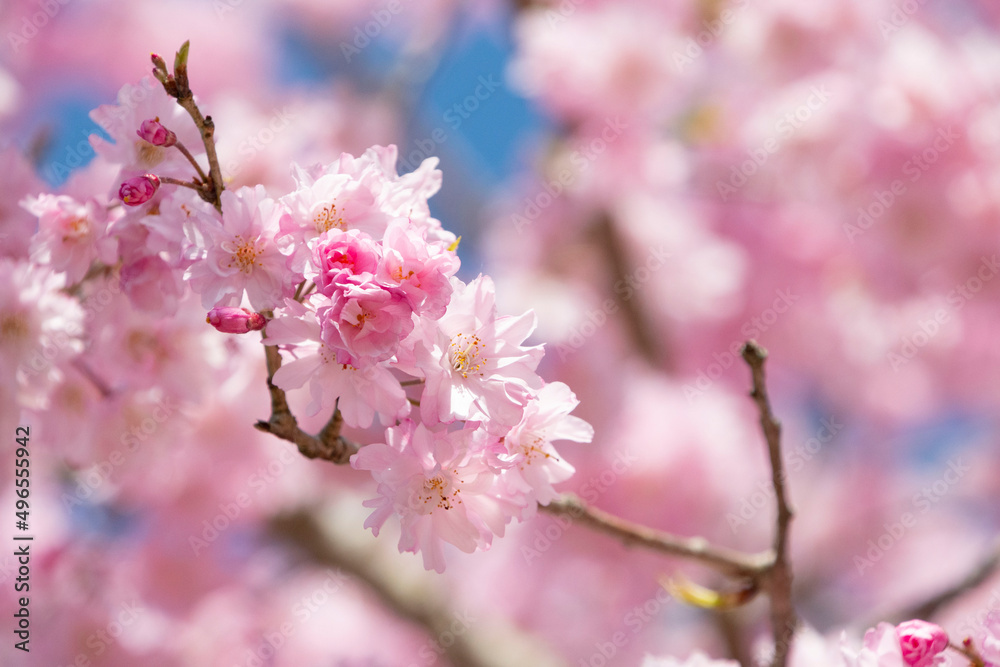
(368, 321)
(395, 195)
(473, 363)
(921, 642)
(420, 270)
(359, 393)
(332, 201)
(71, 235)
(41, 329)
(437, 486)
(526, 452)
(340, 255)
(881, 648)
(238, 253)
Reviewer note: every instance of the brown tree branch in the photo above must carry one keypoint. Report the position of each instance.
(731, 631)
(190, 158)
(185, 184)
(777, 583)
(735, 563)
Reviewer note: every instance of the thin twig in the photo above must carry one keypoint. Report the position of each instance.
(731, 630)
(735, 563)
(183, 149)
(778, 581)
(207, 129)
(176, 181)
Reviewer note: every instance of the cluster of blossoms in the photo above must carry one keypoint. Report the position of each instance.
(356, 283)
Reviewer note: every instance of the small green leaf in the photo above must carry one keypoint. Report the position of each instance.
(181, 60)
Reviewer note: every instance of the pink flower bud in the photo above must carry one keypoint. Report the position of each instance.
(921, 642)
(235, 320)
(139, 190)
(156, 134)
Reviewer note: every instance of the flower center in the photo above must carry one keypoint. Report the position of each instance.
(533, 450)
(466, 354)
(326, 218)
(399, 276)
(243, 254)
(437, 493)
(75, 229)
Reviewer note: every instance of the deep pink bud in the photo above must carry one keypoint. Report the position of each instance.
(156, 134)
(139, 190)
(235, 320)
(921, 642)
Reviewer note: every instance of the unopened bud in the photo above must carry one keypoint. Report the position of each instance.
(921, 642)
(235, 320)
(139, 190)
(152, 131)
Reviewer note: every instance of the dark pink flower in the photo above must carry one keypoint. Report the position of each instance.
(367, 322)
(921, 642)
(235, 320)
(152, 131)
(343, 255)
(139, 189)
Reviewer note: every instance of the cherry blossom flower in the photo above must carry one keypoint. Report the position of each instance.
(395, 195)
(473, 363)
(359, 393)
(332, 201)
(340, 256)
(437, 486)
(368, 321)
(40, 330)
(239, 252)
(911, 644)
(71, 234)
(530, 462)
(420, 270)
